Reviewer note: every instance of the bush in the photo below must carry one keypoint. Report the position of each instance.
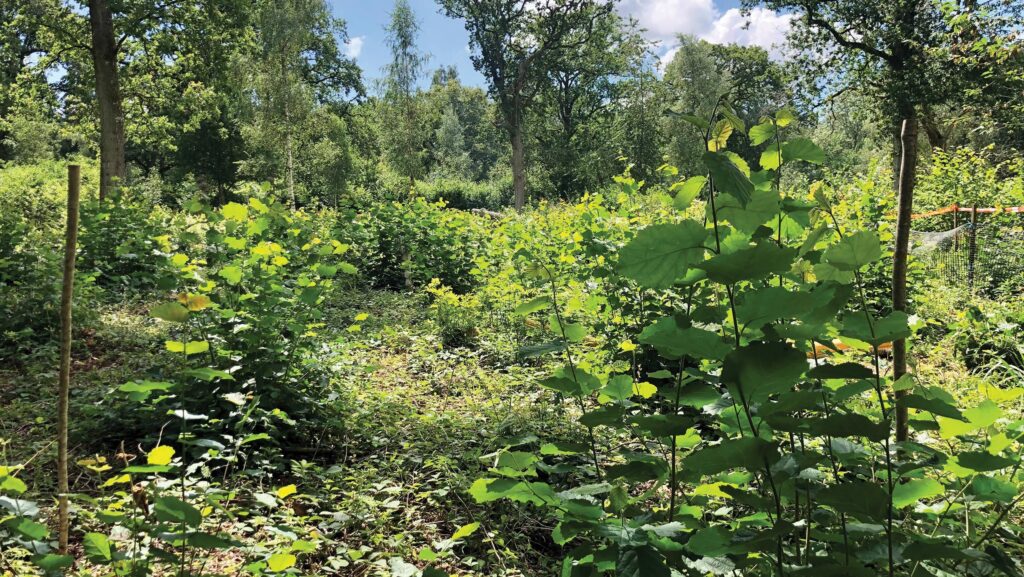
(405, 245)
(457, 317)
(31, 259)
(122, 243)
(467, 194)
(253, 277)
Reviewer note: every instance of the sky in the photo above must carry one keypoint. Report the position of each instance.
(447, 43)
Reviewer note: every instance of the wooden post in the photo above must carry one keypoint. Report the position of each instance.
(956, 222)
(64, 385)
(972, 247)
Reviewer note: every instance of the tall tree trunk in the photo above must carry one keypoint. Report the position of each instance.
(108, 95)
(907, 180)
(518, 156)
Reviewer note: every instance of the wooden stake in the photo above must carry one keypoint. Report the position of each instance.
(64, 385)
(972, 248)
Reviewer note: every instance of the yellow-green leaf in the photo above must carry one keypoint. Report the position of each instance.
(285, 491)
(235, 211)
(644, 389)
(280, 561)
(465, 531)
(161, 455)
(190, 348)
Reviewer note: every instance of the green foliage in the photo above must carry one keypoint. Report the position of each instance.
(726, 417)
(252, 280)
(404, 245)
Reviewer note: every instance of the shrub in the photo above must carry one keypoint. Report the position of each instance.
(255, 277)
(467, 194)
(405, 245)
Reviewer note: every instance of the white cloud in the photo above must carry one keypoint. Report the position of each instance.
(764, 28)
(354, 46)
(667, 57)
(665, 19)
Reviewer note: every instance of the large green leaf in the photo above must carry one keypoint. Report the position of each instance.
(639, 468)
(97, 547)
(770, 159)
(992, 489)
(763, 205)
(171, 312)
(854, 251)
(912, 491)
(762, 132)
(662, 253)
(876, 331)
(189, 348)
(663, 425)
(52, 563)
(803, 149)
(728, 177)
(711, 541)
(749, 453)
(861, 499)
(674, 338)
(485, 490)
(687, 191)
(932, 405)
(762, 369)
(848, 425)
(749, 263)
(983, 462)
(923, 550)
(641, 561)
(141, 390)
(27, 528)
(538, 304)
(775, 302)
(173, 510)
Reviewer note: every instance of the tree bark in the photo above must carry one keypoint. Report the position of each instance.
(935, 136)
(64, 382)
(907, 180)
(518, 158)
(113, 168)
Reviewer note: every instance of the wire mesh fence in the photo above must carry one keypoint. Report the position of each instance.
(986, 257)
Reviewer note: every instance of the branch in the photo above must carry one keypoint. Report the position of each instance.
(842, 40)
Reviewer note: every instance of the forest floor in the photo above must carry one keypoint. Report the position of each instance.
(417, 423)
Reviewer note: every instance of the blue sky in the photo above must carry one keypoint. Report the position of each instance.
(447, 43)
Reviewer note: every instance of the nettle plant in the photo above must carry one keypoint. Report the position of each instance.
(748, 443)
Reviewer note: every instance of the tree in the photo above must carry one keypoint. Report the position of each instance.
(638, 120)
(151, 72)
(509, 37)
(402, 131)
(888, 47)
(477, 114)
(298, 68)
(578, 102)
(113, 167)
(450, 148)
(699, 73)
